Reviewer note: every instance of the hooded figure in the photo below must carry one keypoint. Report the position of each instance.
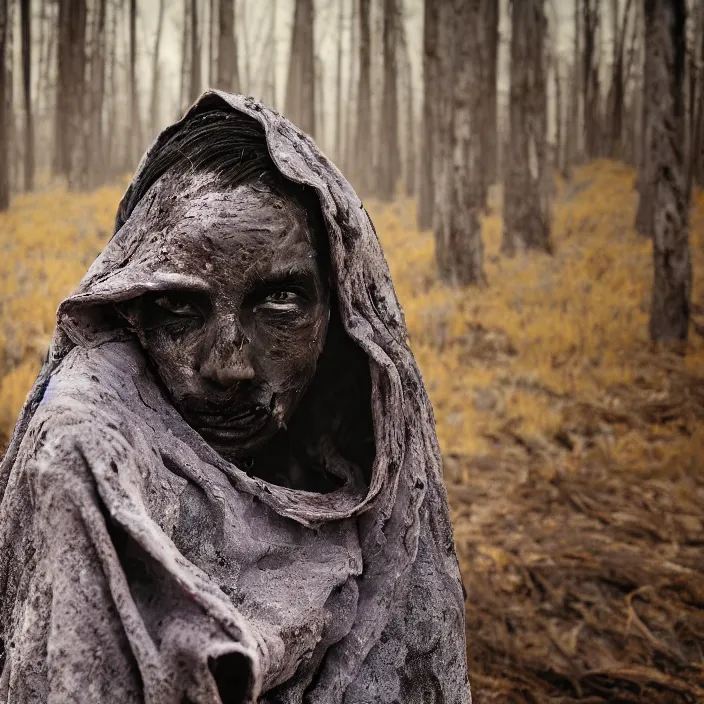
(225, 484)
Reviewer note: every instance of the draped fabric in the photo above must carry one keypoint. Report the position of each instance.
(138, 565)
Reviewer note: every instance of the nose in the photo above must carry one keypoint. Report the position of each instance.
(226, 361)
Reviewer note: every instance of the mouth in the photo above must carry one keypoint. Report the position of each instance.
(230, 427)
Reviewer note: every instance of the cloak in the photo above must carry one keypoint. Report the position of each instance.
(139, 566)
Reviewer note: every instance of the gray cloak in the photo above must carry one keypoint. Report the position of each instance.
(137, 565)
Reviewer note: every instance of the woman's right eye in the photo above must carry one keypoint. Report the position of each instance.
(177, 306)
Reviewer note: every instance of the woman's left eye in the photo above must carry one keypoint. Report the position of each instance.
(282, 297)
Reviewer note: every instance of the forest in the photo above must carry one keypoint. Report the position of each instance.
(535, 173)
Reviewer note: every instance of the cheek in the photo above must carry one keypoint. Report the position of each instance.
(174, 358)
(288, 354)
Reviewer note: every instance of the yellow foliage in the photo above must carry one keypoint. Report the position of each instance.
(547, 332)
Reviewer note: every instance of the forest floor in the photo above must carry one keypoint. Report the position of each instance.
(574, 450)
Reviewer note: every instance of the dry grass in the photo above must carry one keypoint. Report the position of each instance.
(573, 449)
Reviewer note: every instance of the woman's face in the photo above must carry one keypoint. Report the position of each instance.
(237, 354)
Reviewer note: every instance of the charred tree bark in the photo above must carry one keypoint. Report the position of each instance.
(4, 122)
(526, 191)
(389, 164)
(228, 68)
(26, 31)
(426, 196)
(666, 172)
(363, 158)
(300, 88)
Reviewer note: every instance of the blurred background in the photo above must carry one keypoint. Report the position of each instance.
(534, 171)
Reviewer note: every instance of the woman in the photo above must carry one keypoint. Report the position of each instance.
(225, 484)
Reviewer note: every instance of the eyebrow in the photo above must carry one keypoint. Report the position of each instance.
(297, 270)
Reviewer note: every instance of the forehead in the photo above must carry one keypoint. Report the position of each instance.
(246, 224)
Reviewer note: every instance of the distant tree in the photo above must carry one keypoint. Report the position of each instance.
(456, 144)
(195, 81)
(154, 111)
(591, 18)
(26, 32)
(426, 196)
(228, 77)
(4, 122)
(465, 248)
(665, 172)
(134, 128)
(70, 89)
(488, 41)
(388, 170)
(527, 175)
(300, 87)
(363, 146)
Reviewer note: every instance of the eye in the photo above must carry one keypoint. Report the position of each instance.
(282, 296)
(177, 306)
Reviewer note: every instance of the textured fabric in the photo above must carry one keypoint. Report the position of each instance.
(137, 565)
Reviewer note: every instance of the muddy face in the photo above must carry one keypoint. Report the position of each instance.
(237, 351)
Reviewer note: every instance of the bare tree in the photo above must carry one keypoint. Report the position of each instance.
(300, 88)
(154, 112)
(464, 239)
(410, 131)
(426, 196)
(228, 70)
(526, 185)
(665, 172)
(590, 77)
(363, 157)
(4, 136)
(134, 129)
(443, 125)
(488, 42)
(388, 169)
(338, 84)
(26, 31)
(194, 85)
(70, 87)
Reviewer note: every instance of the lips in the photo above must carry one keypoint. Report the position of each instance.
(231, 426)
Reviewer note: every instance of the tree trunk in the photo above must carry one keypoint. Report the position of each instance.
(154, 112)
(194, 85)
(70, 88)
(338, 87)
(300, 88)
(26, 23)
(352, 84)
(4, 122)
(465, 248)
(134, 129)
(443, 124)
(666, 177)
(228, 69)
(389, 166)
(410, 151)
(489, 43)
(426, 196)
(363, 169)
(526, 187)
(590, 78)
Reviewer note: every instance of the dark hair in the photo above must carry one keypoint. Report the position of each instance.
(232, 146)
